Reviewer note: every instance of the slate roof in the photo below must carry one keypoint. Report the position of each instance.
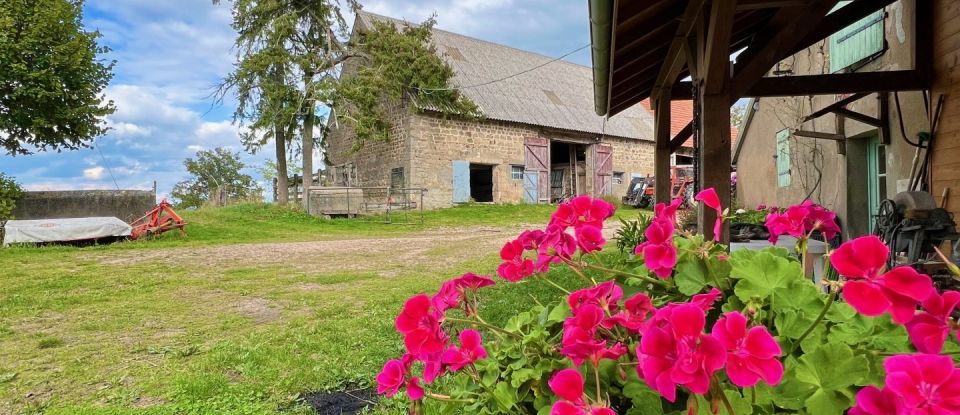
(558, 95)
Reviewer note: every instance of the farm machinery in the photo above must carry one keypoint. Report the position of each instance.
(642, 190)
(160, 219)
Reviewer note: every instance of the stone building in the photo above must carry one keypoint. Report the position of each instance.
(539, 139)
(848, 152)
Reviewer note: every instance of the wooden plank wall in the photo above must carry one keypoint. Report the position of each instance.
(946, 155)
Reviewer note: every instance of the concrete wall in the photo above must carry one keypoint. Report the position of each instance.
(842, 178)
(128, 205)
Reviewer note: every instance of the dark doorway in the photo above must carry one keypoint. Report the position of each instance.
(568, 170)
(481, 182)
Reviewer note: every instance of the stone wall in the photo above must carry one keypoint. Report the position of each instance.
(374, 162)
(127, 205)
(436, 142)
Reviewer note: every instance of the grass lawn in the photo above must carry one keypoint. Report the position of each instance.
(229, 320)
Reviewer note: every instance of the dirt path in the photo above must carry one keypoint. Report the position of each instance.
(336, 255)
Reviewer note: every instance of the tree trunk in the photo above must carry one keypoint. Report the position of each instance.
(283, 186)
(307, 135)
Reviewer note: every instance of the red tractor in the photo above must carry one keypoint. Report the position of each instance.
(642, 190)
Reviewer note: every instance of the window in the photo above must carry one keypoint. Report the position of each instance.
(516, 172)
(856, 42)
(618, 177)
(396, 178)
(783, 158)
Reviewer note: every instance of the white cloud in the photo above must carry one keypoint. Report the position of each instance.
(94, 173)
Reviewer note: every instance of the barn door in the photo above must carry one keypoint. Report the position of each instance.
(536, 156)
(461, 181)
(531, 186)
(603, 169)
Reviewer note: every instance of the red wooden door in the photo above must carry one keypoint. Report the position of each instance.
(603, 169)
(536, 156)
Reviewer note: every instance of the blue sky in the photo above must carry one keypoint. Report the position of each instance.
(171, 53)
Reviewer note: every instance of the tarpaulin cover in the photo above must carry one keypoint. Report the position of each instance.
(58, 230)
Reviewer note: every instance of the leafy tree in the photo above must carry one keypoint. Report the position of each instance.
(736, 115)
(10, 191)
(401, 63)
(213, 171)
(51, 77)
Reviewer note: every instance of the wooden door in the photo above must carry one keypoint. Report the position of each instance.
(536, 155)
(461, 181)
(603, 169)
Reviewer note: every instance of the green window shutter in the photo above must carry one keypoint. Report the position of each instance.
(856, 42)
(783, 158)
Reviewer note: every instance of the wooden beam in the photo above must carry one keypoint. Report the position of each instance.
(856, 116)
(661, 155)
(768, 4)
(786, 29)
(841, 124)
(838, 83)
(716, 65)
(819, 135)
(839, 104)
(923, 41)
(682, 136)
(715, 159)
(674, 60)
(884, 103)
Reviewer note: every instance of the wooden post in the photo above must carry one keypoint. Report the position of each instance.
(661, 155)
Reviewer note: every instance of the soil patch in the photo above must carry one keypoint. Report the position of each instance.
(259, 309)
(349, 402)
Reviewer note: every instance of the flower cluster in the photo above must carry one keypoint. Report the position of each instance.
(674, 350)
(568, 385)
(583, 214)
(915, 384)
(421, 324)
(658, 251)
(799, 221)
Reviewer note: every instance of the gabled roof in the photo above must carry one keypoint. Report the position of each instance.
(681, 113)
(500, 81)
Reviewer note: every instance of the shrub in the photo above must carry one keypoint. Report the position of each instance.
(10, 192)
(631, 232)
(683, 327)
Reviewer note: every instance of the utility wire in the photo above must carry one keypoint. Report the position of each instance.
(493, 81)
(109, 170)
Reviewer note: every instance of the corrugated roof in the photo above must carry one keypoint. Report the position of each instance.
(558, 95)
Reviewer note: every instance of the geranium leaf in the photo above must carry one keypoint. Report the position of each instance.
(824, 402)
(800, 294)
(506, 396)
(832, 366)
(763, 275)
(559, 313)
(690, 275)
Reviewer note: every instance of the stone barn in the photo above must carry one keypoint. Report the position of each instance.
(539, 139)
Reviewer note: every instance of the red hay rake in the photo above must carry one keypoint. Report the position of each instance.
(160, 219)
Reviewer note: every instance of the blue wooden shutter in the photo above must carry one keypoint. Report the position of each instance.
(856, 42)
(461, 181)
(783, 158)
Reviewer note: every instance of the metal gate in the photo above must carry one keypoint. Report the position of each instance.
(537, 160)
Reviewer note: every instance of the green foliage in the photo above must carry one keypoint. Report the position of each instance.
(631, 233)
(214, 171)
(399, 64)
(10, 191)
(750, 216)
(52, 77)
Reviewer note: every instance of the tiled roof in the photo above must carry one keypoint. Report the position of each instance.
(681, 112)
(499, 80)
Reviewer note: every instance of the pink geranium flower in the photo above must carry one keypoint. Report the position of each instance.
(634, 314)
(606, 295)
(568, 385)
(790, 222)
(751, 354)
(470, 350)
(473, 282)
(449, 296)
(674, 351)
(557, 244)
(874, 401)
(659, 258)
(929, 330)
(395, 375)
(420, 325)
(580, 341)
(871, 292)
(928, 384)
(514, 266)
(589, 239)
(710, 198)
(821, 219)
(582, 211)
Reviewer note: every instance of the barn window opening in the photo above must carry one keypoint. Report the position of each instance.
(618, 177)
(481, 182)
(516, 172)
